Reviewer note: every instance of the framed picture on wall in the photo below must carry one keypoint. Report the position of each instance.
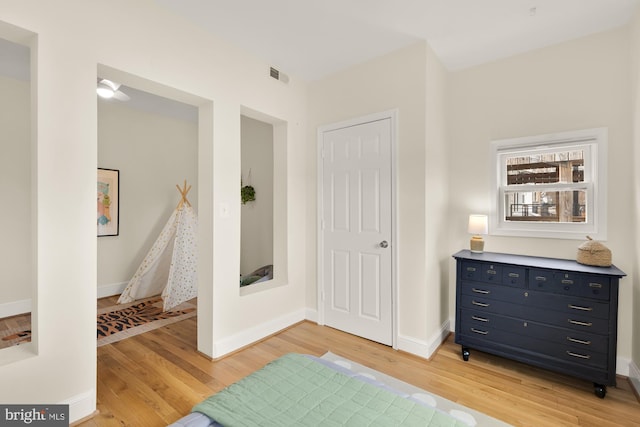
(108, 202)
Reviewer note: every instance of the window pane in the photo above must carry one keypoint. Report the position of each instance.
(545, 168)
(546, 206)
(545, 185)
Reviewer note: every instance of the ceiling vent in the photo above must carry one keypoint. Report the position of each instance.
(276, 74)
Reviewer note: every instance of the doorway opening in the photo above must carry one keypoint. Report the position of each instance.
(150, 135)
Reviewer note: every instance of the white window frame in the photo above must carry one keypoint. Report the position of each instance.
(594, 141)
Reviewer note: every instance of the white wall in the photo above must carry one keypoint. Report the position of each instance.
(584, 83)
(437, 193)
(153, 153)
(256, 246)
(412, 81)
(15, 188)
(154, 51)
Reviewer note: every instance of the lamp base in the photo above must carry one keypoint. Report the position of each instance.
(477, 244)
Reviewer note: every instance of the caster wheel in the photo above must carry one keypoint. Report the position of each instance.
(600, 390)
(465, 354)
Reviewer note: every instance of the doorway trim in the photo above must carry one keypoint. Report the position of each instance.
(392, 115)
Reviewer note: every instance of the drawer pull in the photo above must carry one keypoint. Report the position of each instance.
(576, 322)
(471, 269)
(480, 304)
(478, 331)
(492, 272)
(595, 285)
(516, 275)
(567, 282)
(479, 319)
(577, 341)
(581, 356)
(577, 307)
(541, 278)
(480, 291)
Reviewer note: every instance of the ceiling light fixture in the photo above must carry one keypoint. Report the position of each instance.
(104, 90)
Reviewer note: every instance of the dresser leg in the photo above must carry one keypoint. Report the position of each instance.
(465, 354)
(600, 390)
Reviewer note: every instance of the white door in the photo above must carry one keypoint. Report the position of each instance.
(356, 230)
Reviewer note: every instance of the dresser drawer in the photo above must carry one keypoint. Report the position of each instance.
(514, 276)
(491, 273)
(554, 281)
(577, 321)
(544, 300)
(595, 287)
(471, 270)
(488, 306)
(490, 290)
(487, 320)
(482, 272)
(583, 356)
(569, 283)
(578, 340)
(571, 305)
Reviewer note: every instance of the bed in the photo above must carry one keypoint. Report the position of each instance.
(303, 390)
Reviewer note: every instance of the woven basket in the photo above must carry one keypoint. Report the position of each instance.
(594, 253)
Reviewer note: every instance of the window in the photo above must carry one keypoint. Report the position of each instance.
(551, 185)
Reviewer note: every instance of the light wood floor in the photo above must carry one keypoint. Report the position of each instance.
(12, 325)
(155, 378)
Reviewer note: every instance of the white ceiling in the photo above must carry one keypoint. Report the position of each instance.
(311, 39)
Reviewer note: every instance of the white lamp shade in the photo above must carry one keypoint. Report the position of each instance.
(478, 224)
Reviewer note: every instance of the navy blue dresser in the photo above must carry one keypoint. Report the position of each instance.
(552, 313)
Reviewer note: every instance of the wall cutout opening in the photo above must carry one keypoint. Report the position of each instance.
(263, 248)
(256, 244)
(18, 189)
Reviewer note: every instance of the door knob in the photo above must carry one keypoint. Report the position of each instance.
(384, 244)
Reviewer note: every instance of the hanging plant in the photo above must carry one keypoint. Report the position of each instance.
(247, 192)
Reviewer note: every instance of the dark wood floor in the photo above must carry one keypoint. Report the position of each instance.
(155, 378)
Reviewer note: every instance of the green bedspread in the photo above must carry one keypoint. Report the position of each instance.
(295, 390)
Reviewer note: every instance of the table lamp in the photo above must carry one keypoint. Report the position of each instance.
(478, 225)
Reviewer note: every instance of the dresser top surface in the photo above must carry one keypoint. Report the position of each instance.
(539, 262)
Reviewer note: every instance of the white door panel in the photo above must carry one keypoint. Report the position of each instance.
(356, 200)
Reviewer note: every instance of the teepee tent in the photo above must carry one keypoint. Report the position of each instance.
(170, 267)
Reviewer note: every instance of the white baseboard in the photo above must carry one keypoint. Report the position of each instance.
(111, 289)
(14, 308)
(81, 405)
(252, 335)
(311, 315)
(634, 377)
(413, 346)
(622, 366)
(437, 339)
(421, 348)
